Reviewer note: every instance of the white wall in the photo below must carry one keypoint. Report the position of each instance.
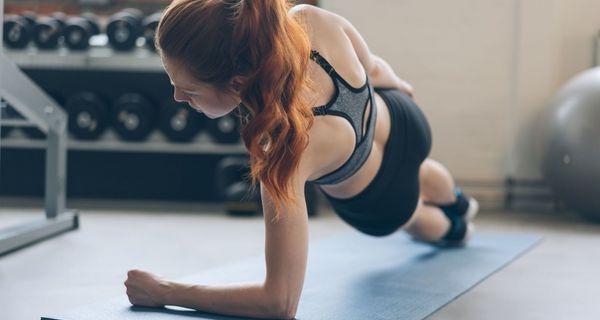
(537, 50)
(483, 70)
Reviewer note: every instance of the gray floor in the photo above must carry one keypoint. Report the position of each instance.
(559, 279)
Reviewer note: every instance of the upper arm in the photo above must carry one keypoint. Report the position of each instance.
(286, 233)
(367, 59)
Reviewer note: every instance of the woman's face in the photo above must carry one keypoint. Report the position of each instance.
(202, 97)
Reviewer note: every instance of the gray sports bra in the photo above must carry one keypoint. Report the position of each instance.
(351, 104)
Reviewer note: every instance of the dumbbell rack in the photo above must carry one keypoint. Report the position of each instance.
(98, 57)
(102, 59)
(39, 110)
(111, 168)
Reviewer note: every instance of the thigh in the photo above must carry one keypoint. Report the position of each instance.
(387, 208)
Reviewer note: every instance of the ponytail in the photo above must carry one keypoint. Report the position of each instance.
(257, 41)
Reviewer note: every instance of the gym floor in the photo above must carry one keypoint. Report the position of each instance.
(558, 279)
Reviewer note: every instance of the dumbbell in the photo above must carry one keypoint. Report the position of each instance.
(30, 17)
(179, 122)
(233, 187)
(48, 31)
(149, 26)
(35, 133)
(17, 31)
(225, 129)
(124, 28)
(133, 117)
(93, 20)
(88, 115)
(79, 30)
(61, 18)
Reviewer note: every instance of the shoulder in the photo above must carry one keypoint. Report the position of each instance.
(305, 10)
(336, 39)
(315, 15)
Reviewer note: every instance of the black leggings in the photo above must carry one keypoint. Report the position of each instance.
(390, 200)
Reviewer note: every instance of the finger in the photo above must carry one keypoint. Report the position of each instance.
(129, 282)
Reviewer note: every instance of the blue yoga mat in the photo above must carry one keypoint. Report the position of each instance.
(353, 276)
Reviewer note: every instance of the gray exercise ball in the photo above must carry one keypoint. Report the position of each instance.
(571, 144)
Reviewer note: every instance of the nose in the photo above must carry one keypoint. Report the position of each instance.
(178, 96)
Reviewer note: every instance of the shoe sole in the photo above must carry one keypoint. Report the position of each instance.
(472, 211)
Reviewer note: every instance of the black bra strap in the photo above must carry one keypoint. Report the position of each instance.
(318, 58)
(320, 111)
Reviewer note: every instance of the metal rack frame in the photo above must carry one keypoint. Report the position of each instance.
(31, 102)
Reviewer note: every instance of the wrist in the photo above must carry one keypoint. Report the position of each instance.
(170, 292)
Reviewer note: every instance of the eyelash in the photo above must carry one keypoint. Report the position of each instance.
(189, 95)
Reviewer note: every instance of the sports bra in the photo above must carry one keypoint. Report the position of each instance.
(351, 104)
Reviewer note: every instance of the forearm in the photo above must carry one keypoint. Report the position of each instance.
(251, 300)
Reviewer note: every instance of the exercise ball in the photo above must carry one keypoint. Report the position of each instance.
(571, 144)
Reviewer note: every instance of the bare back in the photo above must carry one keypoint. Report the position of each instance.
(333, 137)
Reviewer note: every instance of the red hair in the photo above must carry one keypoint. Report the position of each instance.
(257, 41)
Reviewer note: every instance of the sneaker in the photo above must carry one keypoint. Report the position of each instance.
(458, 243)
(465, 207)
(472, 210)
(454, 243)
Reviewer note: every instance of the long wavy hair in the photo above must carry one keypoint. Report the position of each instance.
(259, 42)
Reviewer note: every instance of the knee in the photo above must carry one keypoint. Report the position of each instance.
(425, 171)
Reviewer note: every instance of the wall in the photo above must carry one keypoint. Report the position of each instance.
(483, 70)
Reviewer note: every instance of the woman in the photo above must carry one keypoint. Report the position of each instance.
(303, 82)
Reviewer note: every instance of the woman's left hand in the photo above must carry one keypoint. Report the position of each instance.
(407, 88)
(146, 289)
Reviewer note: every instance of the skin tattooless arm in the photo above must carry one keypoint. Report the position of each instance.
(383, 76)
(286, 253)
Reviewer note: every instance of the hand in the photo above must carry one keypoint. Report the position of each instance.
(146, 289)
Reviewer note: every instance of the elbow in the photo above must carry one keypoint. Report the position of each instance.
(289, 311)
(377, 76)
(373, 72)
(282, 306)
(374, 67)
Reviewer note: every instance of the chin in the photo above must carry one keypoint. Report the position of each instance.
(210, 116)
(214, 116)
(218, 113)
